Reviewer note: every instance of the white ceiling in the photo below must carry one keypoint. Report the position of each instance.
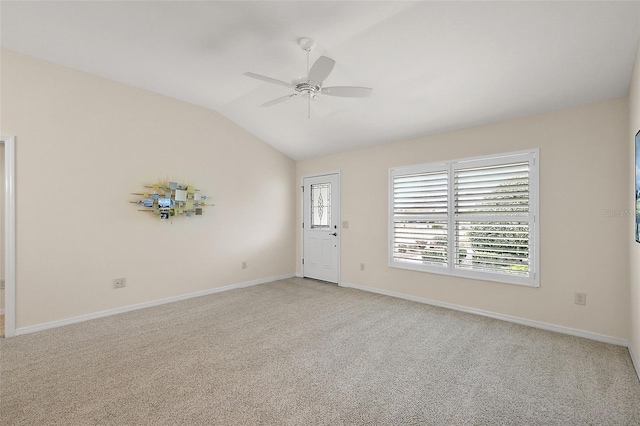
(434, 66)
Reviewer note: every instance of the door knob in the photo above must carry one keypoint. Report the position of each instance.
(335, 234)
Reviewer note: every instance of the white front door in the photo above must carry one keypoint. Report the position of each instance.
(321, 220)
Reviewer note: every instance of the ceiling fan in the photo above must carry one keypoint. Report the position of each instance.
(311, 86)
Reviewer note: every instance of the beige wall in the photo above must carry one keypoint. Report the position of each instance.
(634, 126)
(583, 249)
(83, 144)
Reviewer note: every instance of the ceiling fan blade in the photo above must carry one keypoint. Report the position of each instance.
(268, 79)
(321, 70)
(278, 100)
(347, 91)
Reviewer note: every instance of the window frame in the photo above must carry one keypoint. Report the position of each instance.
(532, 157)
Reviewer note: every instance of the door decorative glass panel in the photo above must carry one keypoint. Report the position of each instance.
(321, 205)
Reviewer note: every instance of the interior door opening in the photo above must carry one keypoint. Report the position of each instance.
(2, 248)
(8, 234)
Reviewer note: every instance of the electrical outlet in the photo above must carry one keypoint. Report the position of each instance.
(362, 266)
(119, 282)
(1, 284)
(345, 224)
(244, 265)
(580, 299)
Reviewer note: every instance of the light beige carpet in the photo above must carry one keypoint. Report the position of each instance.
(299, 352)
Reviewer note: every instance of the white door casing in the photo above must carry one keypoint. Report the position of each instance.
(321, 227)
(9, 236)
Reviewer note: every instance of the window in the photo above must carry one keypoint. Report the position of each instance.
(475, 218)
(321, 205)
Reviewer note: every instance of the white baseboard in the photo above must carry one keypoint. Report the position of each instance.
(635, 360)
(503, 317)
(299, 275)
(109, 312)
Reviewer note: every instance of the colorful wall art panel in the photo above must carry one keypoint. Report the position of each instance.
(637, 187)
(169, 199)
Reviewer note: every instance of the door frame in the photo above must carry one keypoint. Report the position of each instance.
(339, 221)
(9, 235)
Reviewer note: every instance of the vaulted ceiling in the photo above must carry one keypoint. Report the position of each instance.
(434, 66)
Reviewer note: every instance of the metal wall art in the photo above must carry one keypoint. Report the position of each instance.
(169, 199)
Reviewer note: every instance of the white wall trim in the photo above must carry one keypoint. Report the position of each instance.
(9, 236)
(101, 314)
(635, 360)
(509, 318)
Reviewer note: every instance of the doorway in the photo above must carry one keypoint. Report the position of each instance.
(320, 227)
(2, 249)
(9, 235)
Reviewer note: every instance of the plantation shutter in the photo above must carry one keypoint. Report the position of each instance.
(474, 218)
(493, 218)
(420, 218)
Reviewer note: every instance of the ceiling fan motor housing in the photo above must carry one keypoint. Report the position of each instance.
(307, 88)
